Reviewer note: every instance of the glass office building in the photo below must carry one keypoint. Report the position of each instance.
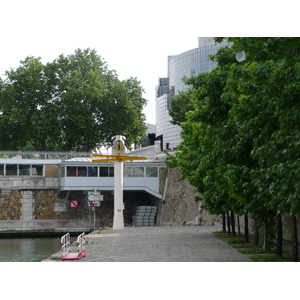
(189, 64)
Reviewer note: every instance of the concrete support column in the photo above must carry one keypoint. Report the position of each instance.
(27, 209)
(118, 221)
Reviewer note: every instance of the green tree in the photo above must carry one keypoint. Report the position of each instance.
(28, 112)
(181, 104)
(204, 153)
(242, 137)
(267, 85)
(73, 103)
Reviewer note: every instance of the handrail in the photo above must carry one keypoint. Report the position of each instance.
(65, 244)
(81, 244)
(65, 247)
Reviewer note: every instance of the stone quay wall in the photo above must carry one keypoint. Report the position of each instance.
(41, 211)
(286, 227)
(179, 206)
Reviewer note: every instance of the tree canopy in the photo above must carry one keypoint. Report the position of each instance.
(241, 128)
(71, 104)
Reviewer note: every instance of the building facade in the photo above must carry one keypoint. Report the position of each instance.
(189, 64)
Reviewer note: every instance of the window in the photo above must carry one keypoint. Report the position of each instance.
(21, 170)
(92, 171)
(76, 171)
(103, 171)
(137, 172)
(127, 172)
(151, 172)
(111, 172)
(24, 170)
(11, 170)
(106, 171)
(133, 172)
(37, 170)
(71, 171)
(81, 171)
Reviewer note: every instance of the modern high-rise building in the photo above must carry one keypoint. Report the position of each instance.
(189, 64)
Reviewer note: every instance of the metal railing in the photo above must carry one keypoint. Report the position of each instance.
(44, 154)
(66, 253)
(81, 245)
(65, 242)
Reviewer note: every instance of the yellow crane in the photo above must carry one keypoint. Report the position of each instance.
(108, 158)
(118, 158)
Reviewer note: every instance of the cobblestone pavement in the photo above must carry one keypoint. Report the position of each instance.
(159, 244)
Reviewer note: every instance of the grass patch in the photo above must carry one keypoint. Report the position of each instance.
(256, 253)
(271, 258)
(235, 240)
(222, 234)
(251, 249)
(239, 246)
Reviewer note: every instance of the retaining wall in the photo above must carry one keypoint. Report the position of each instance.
(41, 211)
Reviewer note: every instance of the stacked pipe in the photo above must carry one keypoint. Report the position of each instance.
(144, 216)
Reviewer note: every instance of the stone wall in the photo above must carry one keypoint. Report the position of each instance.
(286, 226)
(179, 206)
(10, 206)
(42, 211)
(49, 206)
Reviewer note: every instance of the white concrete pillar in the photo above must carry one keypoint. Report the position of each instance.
(118, 221)
(118, 149)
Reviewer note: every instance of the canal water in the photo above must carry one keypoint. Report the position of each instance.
(33, 249)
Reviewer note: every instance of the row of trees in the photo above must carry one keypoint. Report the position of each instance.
(241, 133)
(71, 104)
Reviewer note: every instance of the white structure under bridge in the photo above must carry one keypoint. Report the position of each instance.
(85, 175)
(43, 195)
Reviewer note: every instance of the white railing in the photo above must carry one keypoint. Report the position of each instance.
(66, 245)
(81, 245)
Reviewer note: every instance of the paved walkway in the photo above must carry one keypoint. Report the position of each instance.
(159, 244)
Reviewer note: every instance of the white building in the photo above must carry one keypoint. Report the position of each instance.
(189, 64)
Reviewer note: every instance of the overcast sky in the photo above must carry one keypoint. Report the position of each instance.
(133, 36)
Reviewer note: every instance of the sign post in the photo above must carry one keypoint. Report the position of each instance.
(94, 199)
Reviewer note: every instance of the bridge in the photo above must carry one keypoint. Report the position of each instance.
(35, 193)
(85, 175)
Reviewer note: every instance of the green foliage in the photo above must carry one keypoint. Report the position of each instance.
(181, 105)
(240, 144)
(71, 104)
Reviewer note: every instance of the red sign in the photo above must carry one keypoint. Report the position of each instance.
(74, 203)
(94, 203)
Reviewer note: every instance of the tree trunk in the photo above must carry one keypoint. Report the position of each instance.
(238, 223)
(294, 239)
(232, 222)
(228, 222)
(256, 235)
(266, 240)
(246, 228)
(224, 222)
(279, 235)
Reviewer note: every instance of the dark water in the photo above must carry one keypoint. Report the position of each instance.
(28, 249)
